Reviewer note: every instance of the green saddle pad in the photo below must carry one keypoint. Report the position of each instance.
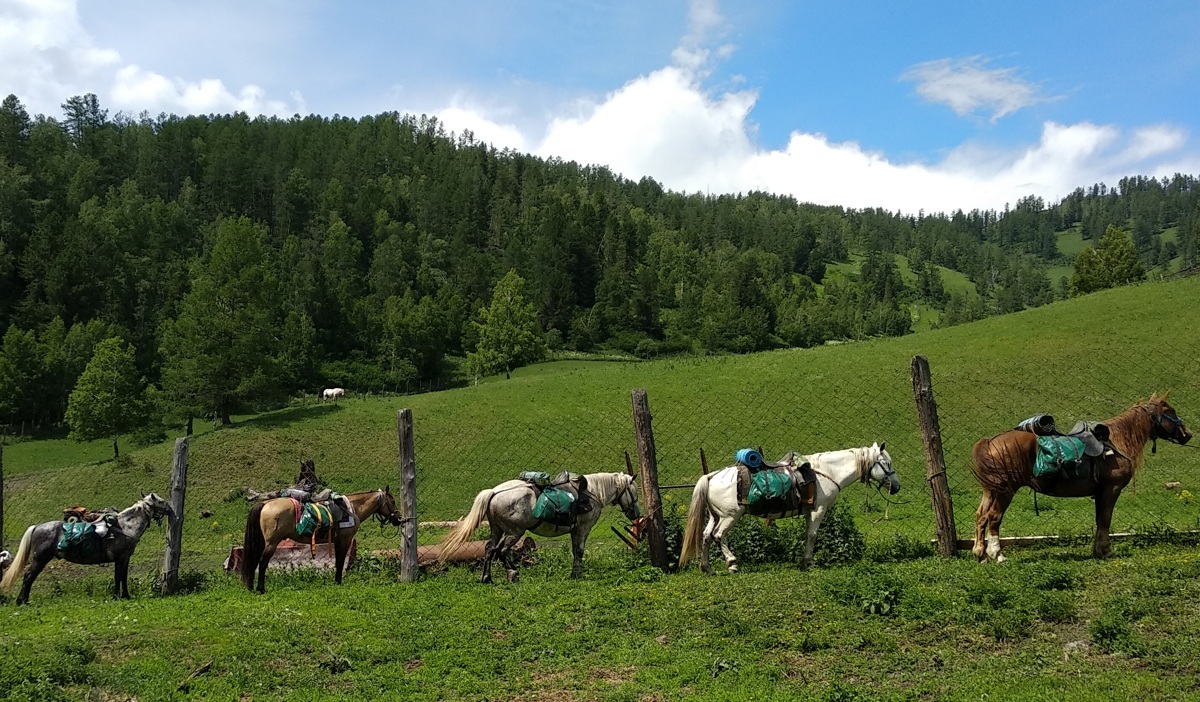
(768, 485)
(556, 506)
(77, 536)
(1058, 454)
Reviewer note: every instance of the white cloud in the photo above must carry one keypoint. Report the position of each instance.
(138, 89)
(967, 85)
(46, 56)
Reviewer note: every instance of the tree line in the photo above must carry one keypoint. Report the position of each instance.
(240, 261)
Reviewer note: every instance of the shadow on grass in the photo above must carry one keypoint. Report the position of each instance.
(284, 417)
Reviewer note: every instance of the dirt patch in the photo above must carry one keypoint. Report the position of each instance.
(414, 664)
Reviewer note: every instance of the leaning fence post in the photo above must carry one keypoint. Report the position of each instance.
(935, 462)
(1, 494)
(648, 466)
(170, 572)
(408, 497)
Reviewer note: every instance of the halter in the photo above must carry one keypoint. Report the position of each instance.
(627, 489)
(1156, 418)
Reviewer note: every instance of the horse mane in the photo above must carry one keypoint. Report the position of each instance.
(1130, 430)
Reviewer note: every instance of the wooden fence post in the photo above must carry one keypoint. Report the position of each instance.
(1, 494)
(408, 497)
(170, 571)
(648, 466)
(935, 462)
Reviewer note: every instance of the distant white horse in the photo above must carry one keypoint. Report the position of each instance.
(715, 499)
(332, 394)
(508, 507)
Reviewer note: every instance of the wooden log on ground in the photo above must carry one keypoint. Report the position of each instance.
(292, 555)
(470, 552)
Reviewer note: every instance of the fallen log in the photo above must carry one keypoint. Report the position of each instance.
(470, 552)
(290, 555)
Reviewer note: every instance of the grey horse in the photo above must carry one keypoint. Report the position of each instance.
(508, 507)
(39, 546)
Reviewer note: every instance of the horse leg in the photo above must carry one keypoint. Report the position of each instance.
(1106, 499)
(578, 539)
(813, 520)
(31, 573)
(121, 578)
(995, 515)
(268, 552)
(709, 528)
(489, 553)
(981, 518)
(723, 526)
(506, 556)
(340, 548)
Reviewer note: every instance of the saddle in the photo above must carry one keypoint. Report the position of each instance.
(561, 500)
(781, 488)
(1074, 454)
(323, 517)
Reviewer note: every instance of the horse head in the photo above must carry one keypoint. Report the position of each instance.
(1165, 422)
(387, 510)
(881, 473)
(626, 496)
(158, 507)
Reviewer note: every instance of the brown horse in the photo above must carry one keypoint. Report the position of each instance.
(273, 521)
(1004, 464)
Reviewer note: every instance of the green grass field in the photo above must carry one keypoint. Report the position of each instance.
(627, 632)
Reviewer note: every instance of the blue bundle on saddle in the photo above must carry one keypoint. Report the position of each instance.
(749, 458)
(1059, 454)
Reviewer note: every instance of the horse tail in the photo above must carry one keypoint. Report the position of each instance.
(693, 532)
(466, 526)
(1001, 464)
(253, 545)
(19, 562)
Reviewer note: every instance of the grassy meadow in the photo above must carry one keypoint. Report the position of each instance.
(1049, 624)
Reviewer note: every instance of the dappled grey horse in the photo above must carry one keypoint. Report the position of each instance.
(39, 546)
(508, 507)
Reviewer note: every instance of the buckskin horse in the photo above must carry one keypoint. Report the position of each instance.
(272, 521)
(509, 507)
(1004, 464)
(715, 508)
(39, 546)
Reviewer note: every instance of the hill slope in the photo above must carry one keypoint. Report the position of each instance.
(1088, 357)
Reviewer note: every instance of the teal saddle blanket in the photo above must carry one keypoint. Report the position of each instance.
(1060, 455)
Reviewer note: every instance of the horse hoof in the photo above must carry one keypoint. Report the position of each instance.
(1000, 558)
(512, 576)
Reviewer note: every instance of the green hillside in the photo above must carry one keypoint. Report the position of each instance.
(1088, 357)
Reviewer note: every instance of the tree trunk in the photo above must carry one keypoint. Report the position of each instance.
(507, 373)
(116, 451)
(225, 420)
(189, 425)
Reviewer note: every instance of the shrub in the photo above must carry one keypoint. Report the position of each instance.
(1112, 633)
(839, 540)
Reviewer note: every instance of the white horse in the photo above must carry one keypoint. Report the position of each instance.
(715, 498)
(508, 508)
(332, 394)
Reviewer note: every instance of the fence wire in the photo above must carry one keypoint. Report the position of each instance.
(468, 443)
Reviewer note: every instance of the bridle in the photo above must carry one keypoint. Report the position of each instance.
(627, 490)
(1157, 431)
(384, 519)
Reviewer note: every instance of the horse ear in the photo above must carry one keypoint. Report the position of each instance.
(882, 445)
(143, 494)
(1165, 396)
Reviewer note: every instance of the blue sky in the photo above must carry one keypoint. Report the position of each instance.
(907, 106)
